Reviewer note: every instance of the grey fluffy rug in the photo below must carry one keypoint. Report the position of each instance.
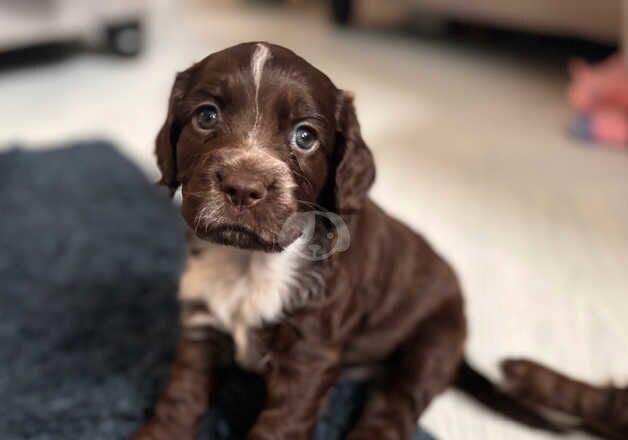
(90, 254)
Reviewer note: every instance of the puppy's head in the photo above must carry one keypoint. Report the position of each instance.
(254, 134)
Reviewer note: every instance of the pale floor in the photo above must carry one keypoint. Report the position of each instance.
(471, 151)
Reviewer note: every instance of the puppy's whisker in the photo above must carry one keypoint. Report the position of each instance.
(197, 195)
(197, 220)
(303, 176)
(311, 204)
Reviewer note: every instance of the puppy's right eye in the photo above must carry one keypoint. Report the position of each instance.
(206, 117)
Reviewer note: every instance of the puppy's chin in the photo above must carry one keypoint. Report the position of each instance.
(238, 236)
(243, 230)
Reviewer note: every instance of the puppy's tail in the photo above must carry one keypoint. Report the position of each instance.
(601, 410)
(483, 390)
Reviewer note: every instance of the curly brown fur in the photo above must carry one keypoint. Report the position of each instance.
(388, 308)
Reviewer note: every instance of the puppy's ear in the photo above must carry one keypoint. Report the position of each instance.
(168, 136)
(355, 171)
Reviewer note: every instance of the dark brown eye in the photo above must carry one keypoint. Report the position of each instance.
(305, 138)
(207, 117)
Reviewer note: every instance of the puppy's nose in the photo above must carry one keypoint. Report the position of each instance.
(242, 190)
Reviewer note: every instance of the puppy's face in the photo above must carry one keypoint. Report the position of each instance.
(253, 135)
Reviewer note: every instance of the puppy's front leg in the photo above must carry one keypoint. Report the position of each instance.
(184, 402)
(297, 382)
(425, 364)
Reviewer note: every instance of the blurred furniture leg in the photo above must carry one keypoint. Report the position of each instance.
(114, 25)
(342, 10)
(624, 30)
(125, 39)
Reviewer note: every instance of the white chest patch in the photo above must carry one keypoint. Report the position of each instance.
(242, 290)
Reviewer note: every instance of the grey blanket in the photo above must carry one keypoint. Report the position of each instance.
(90, 254)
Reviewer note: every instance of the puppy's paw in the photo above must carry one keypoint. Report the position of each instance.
(373, 433)
(257, 434)
(272, 425)
(147, 432)
(153, 430)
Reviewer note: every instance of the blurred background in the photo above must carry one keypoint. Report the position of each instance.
(500, 131)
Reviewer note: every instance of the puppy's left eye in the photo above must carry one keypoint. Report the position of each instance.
(305, 138)
(206, 117)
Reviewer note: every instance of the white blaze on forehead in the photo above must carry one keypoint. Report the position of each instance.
(258, 60)
(260, 56)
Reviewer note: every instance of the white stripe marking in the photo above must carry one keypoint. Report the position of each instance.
(259, 58)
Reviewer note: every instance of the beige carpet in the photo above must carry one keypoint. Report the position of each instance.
(471, 149)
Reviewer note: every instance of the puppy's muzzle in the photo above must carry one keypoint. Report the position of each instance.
(242, 190)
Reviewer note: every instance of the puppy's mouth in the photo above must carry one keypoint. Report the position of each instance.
(229, 216)
(239, 236)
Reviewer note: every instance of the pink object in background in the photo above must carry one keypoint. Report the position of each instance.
(610, 126)
(599, 94)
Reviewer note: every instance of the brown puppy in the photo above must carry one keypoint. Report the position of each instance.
(255, 136)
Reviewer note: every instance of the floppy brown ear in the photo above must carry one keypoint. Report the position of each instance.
(356, 171)
(168, 136)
